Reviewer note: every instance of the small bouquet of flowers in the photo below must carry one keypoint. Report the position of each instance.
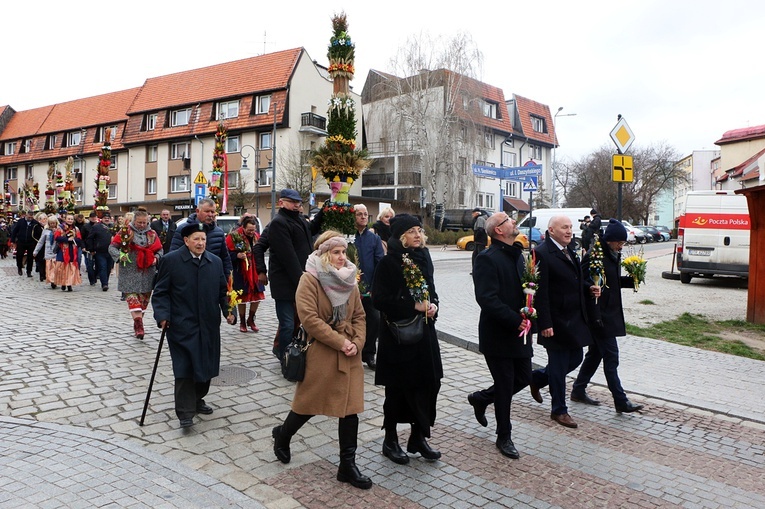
(597, 269)
(233, 295)
(530, 284)
(415, 281)
(241, 246)
(126, 236)
(635, 265)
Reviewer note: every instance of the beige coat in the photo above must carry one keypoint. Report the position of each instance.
(334, 383)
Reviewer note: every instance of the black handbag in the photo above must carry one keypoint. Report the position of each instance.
(408, 331)
(293, 367)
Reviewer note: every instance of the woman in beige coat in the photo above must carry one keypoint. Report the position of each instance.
(329, 307)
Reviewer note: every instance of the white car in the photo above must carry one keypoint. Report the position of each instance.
(633, 234)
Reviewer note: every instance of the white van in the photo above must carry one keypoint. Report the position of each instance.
(713, 235)
(541, 218)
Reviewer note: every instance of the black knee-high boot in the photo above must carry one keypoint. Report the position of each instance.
(283, 434)
(391, 448)
(347, 431)
(417, 443)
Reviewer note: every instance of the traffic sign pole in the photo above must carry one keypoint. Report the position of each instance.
(622, 137)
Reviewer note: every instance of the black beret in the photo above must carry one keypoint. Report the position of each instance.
(191, 228)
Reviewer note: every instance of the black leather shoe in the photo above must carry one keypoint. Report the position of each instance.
(535, 393)
(584, 398)
(479, 409)
(187, 423)
(393, 451)
(419, 444)
(21, 272)
(371, 363)
(204, 409)
(507, 448)
(628, 407)
(281, 446)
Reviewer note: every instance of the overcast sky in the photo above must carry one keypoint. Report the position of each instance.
(680, 72)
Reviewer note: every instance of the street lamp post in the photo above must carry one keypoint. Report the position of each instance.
(273, 166)
(554, 193)
(256, 171)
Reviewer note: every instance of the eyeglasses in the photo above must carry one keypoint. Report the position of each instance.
(503, 222)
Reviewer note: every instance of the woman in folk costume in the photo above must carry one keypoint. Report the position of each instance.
(245, 276)
(136, 248)
(69, 242)
(47, 245)
(329, 307)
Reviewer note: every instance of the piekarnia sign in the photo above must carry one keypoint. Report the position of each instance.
(727, 221)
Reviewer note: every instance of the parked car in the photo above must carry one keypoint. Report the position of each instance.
(468, 244)
(634, 235)
(456, 219)
(651, 234)
(536, 236)
(665, 232)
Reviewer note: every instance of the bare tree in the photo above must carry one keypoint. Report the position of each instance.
(294, 171)
(589, 184)
(434, 110)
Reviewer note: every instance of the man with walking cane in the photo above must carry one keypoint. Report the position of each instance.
(189, 298)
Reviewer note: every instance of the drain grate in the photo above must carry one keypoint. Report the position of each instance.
(233, 375)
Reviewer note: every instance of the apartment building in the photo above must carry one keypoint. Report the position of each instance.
(163, 134)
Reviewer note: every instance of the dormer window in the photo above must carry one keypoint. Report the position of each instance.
(180, 117)
(538, 124)
(73, 138)
(50, 142)
(489, 109)
(262, 104)
(10, 148)
(26, 146)
(151, 121)
(228, 109)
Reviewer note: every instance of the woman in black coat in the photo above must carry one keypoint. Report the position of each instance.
(411, 374)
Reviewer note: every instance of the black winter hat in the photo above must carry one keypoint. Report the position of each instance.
(615, 232)
(401, 223)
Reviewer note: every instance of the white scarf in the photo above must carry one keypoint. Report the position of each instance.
(336, 283)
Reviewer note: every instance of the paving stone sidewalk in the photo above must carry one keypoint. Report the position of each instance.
(73, 381)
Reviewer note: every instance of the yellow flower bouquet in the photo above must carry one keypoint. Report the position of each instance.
(635, 265)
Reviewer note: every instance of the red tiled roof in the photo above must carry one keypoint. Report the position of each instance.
(231, 79)
(748, 166)
(25, 123)
(490, 93)
(90, 111)
(528, 108)
(722, 178)
(744, 133)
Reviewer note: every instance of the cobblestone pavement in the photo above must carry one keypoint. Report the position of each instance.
(73, 381)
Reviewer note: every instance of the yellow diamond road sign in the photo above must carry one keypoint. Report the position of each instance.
(200, 178)
(622, 135)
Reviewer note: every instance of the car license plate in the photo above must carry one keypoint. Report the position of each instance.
(699, 252)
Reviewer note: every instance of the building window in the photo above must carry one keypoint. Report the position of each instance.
(263, 104)
(100, 132)
(152, 153)
(13, 198)
(485, 200)
(11, 173)
(112, 191)
(488, 139)
(180, 117)
(508, 158)
(535, 152)
(489, 109)
(30, 172)
(26, 146)
(73, 138)
(151, 186)
(180, 150)
(113, 166)
(463, 166)
(151, 121)
(229, 109)
(50, 142)
(233, 179)
(511, 188)
(264, 177)
(538, 124)
(232, 144)
(461, 197)
(265, 141)
(78, 194)
(10, 148)
(180, 184)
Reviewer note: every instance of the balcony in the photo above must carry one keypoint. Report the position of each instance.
(313, 124)
(390, 148)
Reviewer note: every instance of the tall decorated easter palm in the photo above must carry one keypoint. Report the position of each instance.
(338, 160)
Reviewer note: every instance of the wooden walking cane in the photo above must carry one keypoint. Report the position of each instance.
(153, 373)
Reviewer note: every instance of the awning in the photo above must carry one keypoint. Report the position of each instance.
(515, 204)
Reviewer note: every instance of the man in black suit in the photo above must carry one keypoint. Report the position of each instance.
(562, 322)
(165, 228)
(606, 322)
(497, 278)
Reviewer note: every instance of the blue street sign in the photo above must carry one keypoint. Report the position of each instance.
(200, 192)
